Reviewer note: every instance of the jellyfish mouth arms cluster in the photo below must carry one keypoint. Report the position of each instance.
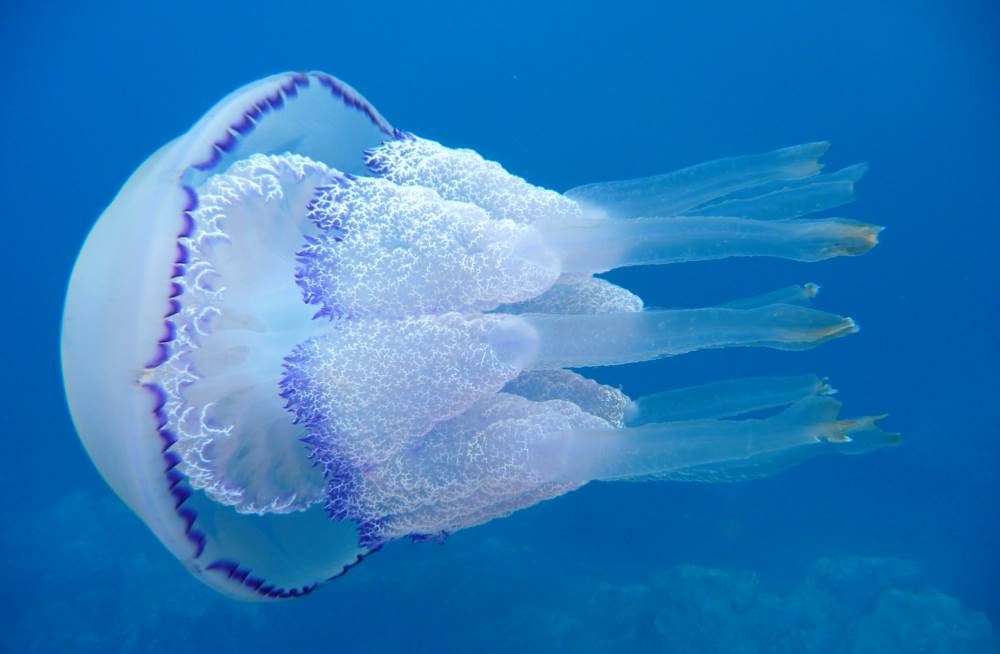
(299, 333)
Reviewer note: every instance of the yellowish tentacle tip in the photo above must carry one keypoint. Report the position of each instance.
(865, 422)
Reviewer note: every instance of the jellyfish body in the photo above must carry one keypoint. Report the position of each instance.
(299, 333)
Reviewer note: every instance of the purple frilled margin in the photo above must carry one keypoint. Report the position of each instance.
(176, 481)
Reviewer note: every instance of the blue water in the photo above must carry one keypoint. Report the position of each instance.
(896, 551)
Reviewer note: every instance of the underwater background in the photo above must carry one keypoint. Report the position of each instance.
(896, 551)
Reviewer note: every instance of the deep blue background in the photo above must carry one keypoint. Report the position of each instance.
(565, 93)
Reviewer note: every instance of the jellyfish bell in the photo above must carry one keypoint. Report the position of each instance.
(299, 333)
(115, 330)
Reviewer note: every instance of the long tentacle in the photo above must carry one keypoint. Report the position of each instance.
(724, 399)
(680, 191)
(596, 245)
(663, 449)
(567, 341)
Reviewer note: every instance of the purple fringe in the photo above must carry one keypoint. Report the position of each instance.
(174, 479)
(288, 90)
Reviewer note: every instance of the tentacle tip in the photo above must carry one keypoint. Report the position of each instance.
(816, 148)
(871, 422)
(872, 236)
(844, 327)
(811, 289)
(865, 424)
(861, 242)
(825, 388)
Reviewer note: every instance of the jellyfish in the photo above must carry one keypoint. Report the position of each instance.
(299, 333)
